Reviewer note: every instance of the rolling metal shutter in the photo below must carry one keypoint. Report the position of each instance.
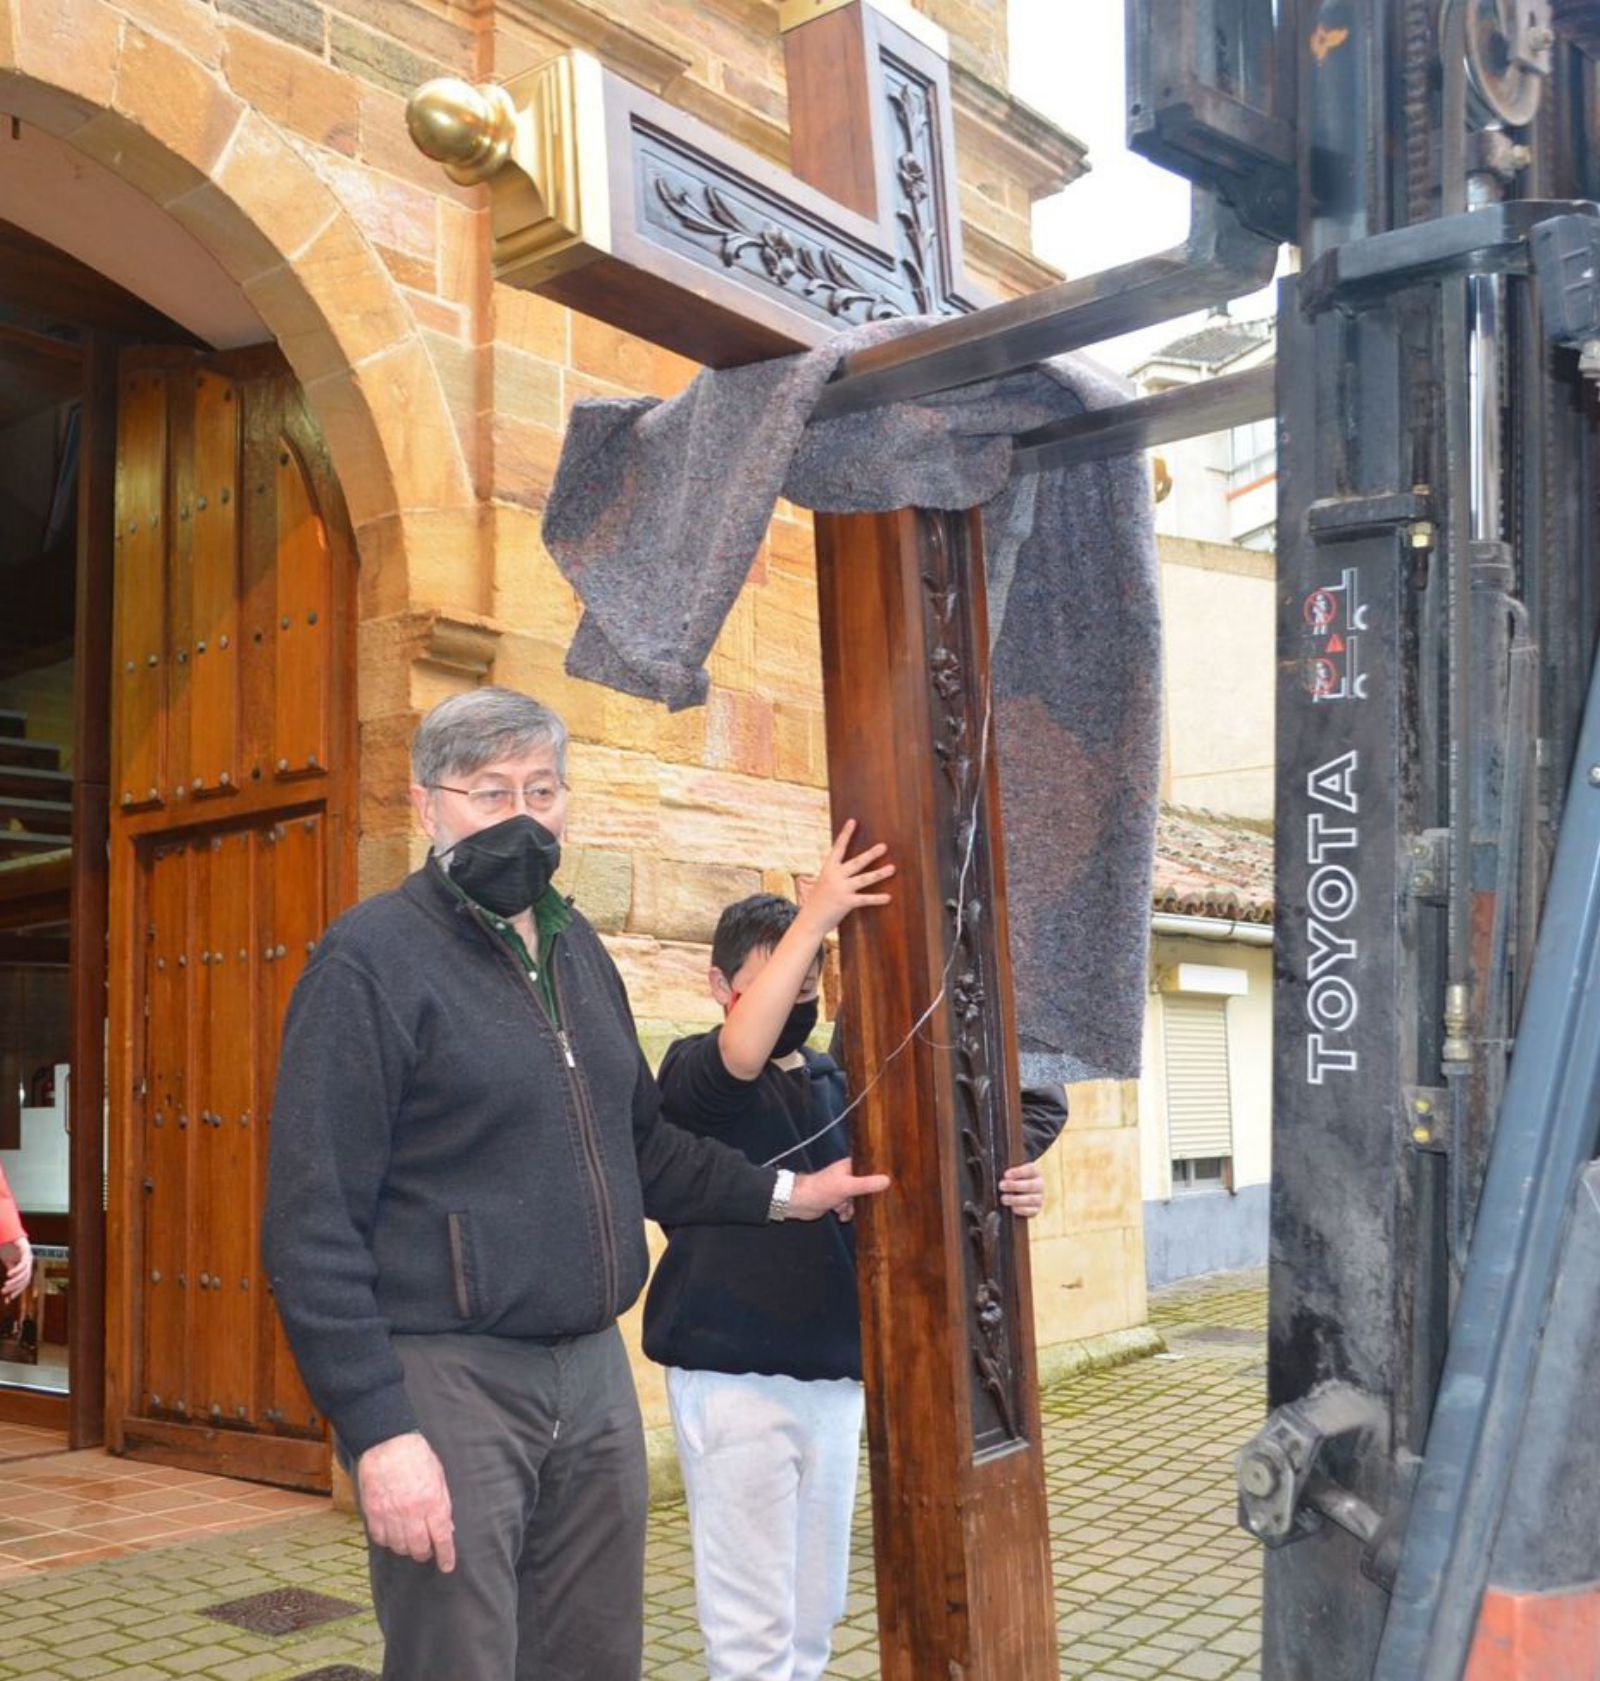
(1199, 1112)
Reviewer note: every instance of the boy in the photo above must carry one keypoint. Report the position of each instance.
(759, 1329)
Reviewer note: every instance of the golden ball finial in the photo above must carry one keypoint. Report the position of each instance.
(467, 128)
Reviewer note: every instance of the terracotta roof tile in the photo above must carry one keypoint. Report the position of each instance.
(1211, 865)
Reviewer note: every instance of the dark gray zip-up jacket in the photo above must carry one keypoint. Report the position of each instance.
(444, 1159)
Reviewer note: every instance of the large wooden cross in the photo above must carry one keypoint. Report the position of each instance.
(607, 199)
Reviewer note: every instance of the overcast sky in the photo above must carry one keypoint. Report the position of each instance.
(1067, 62)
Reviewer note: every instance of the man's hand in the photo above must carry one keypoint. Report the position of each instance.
(405, 1501)
(19, 1269)
(1022, 1189)
(842, 883)
(832, 1190)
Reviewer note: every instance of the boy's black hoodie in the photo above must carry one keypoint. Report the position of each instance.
(780, 1300)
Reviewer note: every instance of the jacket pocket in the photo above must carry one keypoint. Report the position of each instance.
(462, 1273)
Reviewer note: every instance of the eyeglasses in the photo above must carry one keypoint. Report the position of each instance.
(497, 802)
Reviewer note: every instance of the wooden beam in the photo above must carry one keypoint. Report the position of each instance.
(960, 1521)
(872, 124)
(287, 1461)
(37, 372)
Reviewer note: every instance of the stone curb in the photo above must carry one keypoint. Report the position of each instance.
(1060, 1362)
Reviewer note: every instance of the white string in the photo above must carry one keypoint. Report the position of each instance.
(944, 976)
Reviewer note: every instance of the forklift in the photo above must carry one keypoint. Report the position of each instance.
(1426, 1483)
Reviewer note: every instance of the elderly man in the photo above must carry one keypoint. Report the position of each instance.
(465, 1142)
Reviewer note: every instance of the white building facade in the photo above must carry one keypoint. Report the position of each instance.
(1205, 1097)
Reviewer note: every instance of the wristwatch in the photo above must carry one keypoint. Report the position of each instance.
(782, 1190)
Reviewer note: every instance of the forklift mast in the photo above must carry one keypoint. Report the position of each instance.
(1424, 1483)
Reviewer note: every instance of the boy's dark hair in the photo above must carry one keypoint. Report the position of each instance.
(747, 925)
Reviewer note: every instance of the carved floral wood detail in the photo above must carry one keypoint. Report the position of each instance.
(763, 243)
(816, 271)
(960, 719)
(915, 169)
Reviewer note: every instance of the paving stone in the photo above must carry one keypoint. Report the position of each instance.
(24, 1628)
(1174, 1640)
(131, 1649)
(248, 1669)
(1205, 1666)
(100, 1645)
(198, 1660)
(1240, 1642)
(1139, 1626)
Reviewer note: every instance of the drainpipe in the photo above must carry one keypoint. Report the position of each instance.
(1211, 928)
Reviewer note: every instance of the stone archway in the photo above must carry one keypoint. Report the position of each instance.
(170, 126)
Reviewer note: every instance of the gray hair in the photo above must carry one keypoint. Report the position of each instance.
(466, 732)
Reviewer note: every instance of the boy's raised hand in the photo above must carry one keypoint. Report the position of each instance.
(843, 883)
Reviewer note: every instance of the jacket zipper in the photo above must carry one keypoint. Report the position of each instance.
(458, 1265)
(591, 1149)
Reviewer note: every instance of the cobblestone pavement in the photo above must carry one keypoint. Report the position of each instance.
(1152, 1578)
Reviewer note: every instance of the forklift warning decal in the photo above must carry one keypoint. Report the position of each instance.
(1332, 1001)
(1335, 616)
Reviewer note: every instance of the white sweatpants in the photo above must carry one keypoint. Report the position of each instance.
(769, 1466)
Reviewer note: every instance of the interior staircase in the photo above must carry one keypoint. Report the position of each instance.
(35, 793)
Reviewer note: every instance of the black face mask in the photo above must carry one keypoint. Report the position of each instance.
(506, 867)
(802, 1023)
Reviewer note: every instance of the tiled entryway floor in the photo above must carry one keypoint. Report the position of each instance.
(1152, 1577)
(73, 1508)
(28, 1441)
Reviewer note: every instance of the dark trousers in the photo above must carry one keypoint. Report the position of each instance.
(543, 1453)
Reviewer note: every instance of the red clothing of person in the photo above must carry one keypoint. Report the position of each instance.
(10, 1219)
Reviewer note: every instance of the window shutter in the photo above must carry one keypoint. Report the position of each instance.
(1199, 1111)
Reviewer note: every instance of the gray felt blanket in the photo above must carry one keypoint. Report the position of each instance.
(658, 510)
